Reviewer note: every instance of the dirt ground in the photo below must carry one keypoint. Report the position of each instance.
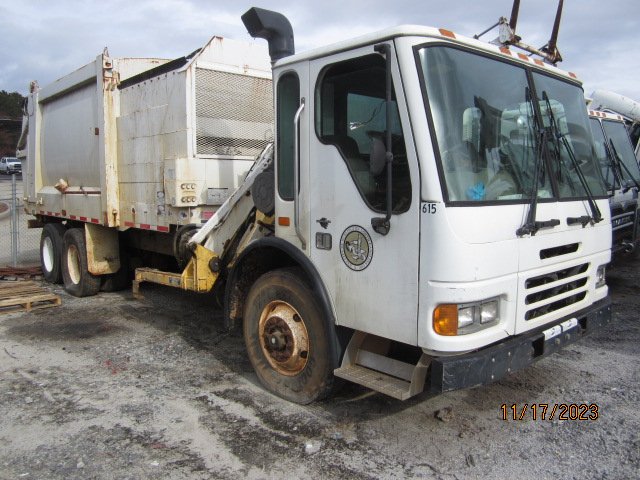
(114, 388)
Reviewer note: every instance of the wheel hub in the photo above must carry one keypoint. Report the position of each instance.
(277, 341)
(284, 338)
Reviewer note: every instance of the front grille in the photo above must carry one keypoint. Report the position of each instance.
(234, 113)
(623, 224)
(557, 251)
(624, 220)
(555, 290)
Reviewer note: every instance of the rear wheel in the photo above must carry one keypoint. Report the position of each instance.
(51, 251)
(290, 345)
(75, 273)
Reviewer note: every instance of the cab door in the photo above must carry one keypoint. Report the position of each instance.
(372, 278)
(292, 154)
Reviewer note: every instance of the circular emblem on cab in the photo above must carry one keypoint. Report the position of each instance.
(356, 248)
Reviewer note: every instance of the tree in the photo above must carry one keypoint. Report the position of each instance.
(11, 105)
(10, 121)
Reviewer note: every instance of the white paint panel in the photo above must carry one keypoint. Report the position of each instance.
(382, 298)
(69, 144)
(455, 268)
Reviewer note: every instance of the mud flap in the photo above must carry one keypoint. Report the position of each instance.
(103, 254)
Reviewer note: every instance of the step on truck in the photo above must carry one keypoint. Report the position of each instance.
(430, 215)
(622, 176)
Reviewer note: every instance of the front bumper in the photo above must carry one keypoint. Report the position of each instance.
(491, 363)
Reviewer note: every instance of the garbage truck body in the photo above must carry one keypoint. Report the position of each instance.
(431, 215)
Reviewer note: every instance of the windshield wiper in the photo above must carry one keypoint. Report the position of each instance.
(532, 226)
(596, 215)
(623, 165)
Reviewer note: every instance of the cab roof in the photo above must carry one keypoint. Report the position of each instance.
(605, 115)
(427, 32)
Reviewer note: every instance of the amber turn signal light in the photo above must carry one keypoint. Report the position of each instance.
(445, 319)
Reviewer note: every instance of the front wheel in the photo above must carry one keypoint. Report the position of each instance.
(292, 348)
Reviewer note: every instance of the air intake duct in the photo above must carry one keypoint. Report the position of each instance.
(274, 28)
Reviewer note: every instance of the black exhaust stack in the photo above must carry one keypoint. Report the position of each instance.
(274, 28)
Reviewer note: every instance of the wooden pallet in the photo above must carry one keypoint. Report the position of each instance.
(25, 296)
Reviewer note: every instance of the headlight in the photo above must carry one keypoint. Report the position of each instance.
(461, 319)
(465, 316)
(489, 311)
(601, 280)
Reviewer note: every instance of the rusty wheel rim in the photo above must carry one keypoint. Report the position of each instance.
(73, 264)
(283, 338)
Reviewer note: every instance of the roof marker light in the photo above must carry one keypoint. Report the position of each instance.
(447, 33)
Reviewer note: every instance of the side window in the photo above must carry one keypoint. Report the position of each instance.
(351, 115)
(606, 164)
(288, 93)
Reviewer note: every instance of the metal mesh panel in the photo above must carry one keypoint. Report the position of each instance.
(20, 245)
(234, 113)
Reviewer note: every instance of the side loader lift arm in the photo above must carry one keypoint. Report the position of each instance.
(209, 242)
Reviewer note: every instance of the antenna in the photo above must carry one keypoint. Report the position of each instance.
(514, 15)
(507, 35)
(551, 48)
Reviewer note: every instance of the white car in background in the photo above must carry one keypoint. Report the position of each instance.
(9, 165)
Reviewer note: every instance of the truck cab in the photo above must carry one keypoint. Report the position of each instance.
(445, 196)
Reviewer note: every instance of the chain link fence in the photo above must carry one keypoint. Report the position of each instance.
(19, 245)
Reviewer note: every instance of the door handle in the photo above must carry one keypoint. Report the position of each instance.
(296, 174)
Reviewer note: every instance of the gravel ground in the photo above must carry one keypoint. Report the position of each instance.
(111, 387)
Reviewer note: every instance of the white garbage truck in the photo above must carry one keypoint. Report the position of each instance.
(430, 216)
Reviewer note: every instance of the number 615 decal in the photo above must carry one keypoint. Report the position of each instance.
(429, 208)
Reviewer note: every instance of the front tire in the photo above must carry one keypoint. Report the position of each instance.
(75, 273)
(292, 348)
(51, 251)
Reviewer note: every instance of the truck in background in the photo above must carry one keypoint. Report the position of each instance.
(629, 109)
(622, 176)
(413, 228)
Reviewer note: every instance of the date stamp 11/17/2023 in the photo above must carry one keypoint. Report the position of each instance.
(550, 411)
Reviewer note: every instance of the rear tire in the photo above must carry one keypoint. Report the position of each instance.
(292, 348)
(51, 251)
(75, 274)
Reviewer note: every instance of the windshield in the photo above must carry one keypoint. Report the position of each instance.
(617, 134)
(602, 154)
(488, 134)
(563, 110)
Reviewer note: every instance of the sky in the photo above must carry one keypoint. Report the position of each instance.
(45, 39)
